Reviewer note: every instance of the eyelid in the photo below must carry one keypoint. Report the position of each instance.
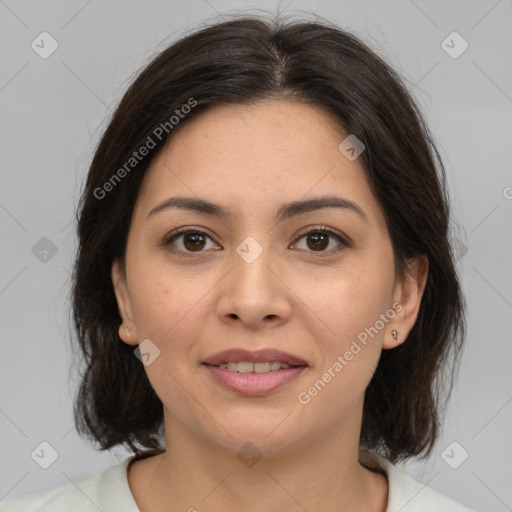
(187, 229)
(330, 231)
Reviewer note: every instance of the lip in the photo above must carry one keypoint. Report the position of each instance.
(259, 356)
(254, 384)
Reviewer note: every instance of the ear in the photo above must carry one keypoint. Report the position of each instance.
(127, 330)
(407, 296)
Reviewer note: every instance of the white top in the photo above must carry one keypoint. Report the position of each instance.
(110, 492)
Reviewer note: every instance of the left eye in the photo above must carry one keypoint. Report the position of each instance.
(317, 240)
(189, 241)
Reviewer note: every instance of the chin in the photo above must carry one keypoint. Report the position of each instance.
(267, 436)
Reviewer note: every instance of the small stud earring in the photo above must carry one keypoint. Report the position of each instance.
(394, 334)
(127, 329)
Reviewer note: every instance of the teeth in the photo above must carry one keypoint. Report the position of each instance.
(262, 367)
(246, 367)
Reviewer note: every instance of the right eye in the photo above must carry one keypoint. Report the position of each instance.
(187, 241)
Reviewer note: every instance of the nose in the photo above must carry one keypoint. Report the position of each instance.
(254, 293)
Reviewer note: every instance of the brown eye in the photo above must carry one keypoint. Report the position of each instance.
(188, 241)
(319, 239)
(193, 241)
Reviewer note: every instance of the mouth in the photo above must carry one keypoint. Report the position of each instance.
(254, 373)
(249, 367)
(240, 356)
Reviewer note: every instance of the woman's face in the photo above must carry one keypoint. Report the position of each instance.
(252, 279)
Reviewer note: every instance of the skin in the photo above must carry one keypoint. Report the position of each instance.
(252, 159)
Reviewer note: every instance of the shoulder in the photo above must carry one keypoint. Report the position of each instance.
(107, 491)
(407, 494)
(79, 495)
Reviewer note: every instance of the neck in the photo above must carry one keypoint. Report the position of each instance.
(195, 474)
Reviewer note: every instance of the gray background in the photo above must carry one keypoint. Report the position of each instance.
(53, 111)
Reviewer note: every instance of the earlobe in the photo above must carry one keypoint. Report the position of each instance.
(408, 293)
(127, 334)
(127, 330)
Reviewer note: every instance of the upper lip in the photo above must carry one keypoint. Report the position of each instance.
(266, 355)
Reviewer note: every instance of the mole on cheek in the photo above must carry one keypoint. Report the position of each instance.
(160, 286)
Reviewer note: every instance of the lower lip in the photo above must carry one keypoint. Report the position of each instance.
(254, 384)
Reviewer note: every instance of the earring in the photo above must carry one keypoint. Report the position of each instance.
(127, 329)
(394, 334)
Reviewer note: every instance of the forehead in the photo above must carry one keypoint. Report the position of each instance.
(260, 128)
(253, 156)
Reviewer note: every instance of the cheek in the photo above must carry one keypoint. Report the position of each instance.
(348, 330)
(352, 302)
(161, 307)
(169, 306)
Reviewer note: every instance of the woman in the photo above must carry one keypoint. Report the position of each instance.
(264, 291)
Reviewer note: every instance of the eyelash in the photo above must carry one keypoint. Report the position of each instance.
(323, 229)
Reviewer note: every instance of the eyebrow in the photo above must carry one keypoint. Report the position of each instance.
(285, 211)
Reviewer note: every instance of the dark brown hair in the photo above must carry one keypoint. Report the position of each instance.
(242, 61)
